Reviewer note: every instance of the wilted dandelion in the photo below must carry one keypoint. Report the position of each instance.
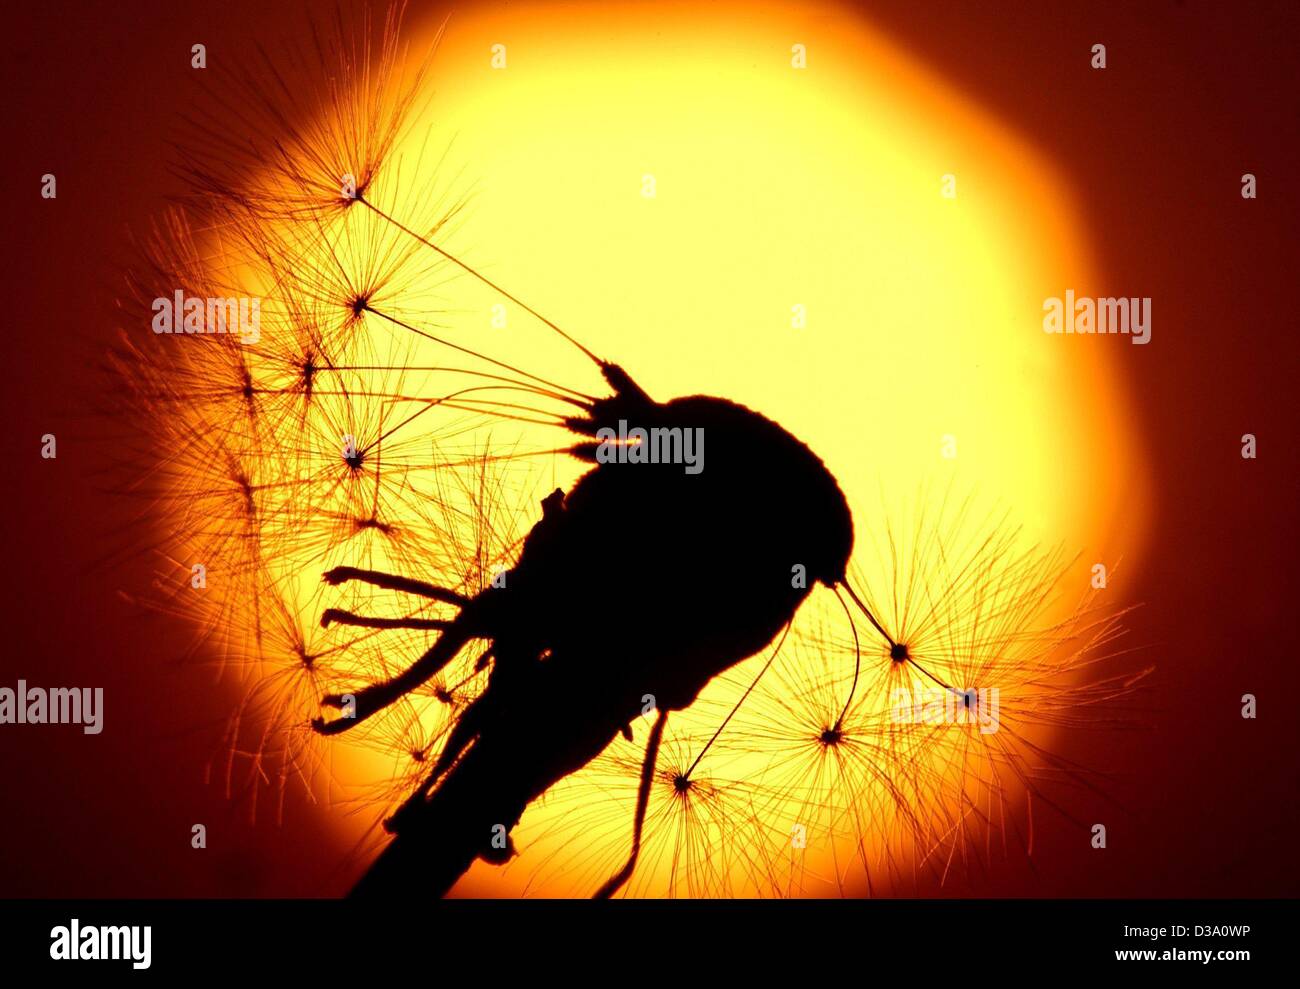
(478, 636)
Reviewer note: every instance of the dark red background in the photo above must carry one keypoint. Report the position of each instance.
(1195, 94)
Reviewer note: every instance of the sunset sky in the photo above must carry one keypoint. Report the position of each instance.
(671, 189)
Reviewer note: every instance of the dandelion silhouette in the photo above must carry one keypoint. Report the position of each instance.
(497, 652)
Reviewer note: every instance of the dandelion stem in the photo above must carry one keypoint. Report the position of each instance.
(465, 350)
(481, 277)
(857, 660)
(775, 652)
(393, 582)
(337, 616)
(867, 611)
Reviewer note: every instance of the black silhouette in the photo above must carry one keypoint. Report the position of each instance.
(643, 580)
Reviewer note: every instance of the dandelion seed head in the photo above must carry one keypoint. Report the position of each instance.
(358, 303)
(253, 480)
